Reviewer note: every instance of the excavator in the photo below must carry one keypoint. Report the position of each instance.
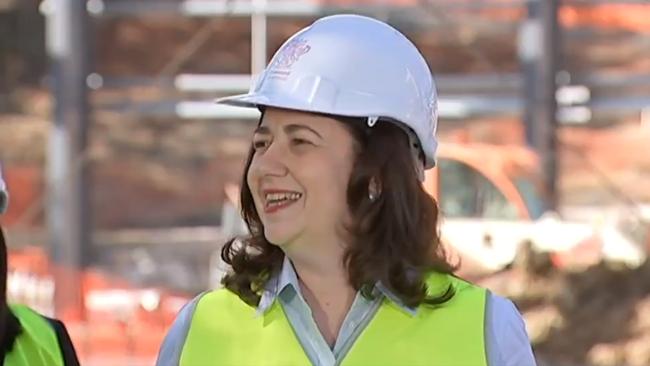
(492, 202)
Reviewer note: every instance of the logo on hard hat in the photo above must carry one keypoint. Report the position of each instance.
(288, 56)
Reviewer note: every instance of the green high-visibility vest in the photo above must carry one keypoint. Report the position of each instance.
(37, 344)
(225, 331)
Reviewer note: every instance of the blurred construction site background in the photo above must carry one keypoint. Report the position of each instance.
(124, 176)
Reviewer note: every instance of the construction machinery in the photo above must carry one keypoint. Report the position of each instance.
(492, 203)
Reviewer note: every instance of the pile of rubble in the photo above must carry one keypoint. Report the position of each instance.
(599, 316)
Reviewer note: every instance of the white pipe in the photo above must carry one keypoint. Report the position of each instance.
(258, 36)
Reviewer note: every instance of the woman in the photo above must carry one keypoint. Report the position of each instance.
(343, 264)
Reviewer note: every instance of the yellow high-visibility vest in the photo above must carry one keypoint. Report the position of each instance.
(225, 331)
(37, 344)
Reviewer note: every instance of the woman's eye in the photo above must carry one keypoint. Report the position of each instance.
(298, 141)
(260, 144)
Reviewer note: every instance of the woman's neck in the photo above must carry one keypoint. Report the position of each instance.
(327, 291)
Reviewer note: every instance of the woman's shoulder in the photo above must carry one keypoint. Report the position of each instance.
(171, 347)
(507, 340)
(214, 301)
(209, 298)
(503, 317)
(216, 304)
(440, 283)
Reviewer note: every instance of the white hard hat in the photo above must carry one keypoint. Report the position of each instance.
(4, 194)
(355, 66)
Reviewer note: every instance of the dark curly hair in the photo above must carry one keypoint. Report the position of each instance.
(393, 239)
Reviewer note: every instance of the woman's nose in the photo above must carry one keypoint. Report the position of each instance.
(272, 161)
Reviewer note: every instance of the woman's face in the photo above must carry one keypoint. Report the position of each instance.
(299, 175)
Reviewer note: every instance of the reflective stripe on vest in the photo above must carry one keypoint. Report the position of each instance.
(225, 331)
(37, 344)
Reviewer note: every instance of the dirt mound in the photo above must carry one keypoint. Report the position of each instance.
(599, 316)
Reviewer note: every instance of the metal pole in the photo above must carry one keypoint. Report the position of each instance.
(538, 49)
(548, 103)
(258, 37)
(529, 50)
(67, 210)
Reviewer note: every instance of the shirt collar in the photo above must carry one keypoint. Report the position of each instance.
(287, 278)
(396, 300)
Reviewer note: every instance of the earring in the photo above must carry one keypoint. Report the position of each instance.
(372, 196)
(373, 190)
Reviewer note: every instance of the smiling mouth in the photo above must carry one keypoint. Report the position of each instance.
(276, 201)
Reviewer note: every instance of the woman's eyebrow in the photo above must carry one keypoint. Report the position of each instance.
(262, 130)
(296, 127)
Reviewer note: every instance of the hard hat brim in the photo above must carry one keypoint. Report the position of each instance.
(256, 100)
(241, 100)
